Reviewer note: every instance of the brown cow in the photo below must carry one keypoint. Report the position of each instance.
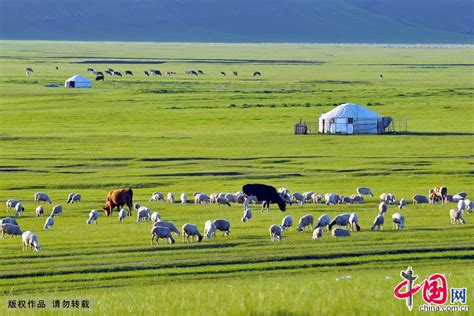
(438, 194)
(118, 198)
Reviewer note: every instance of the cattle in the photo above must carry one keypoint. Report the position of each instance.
(223, 73)
(155, 72)
(111, 70)
(116, 73)
(99, 73)
(265, 193)
(108, 72)
(90, 69)
(128, 73)
(57, 68)
(118, 198)
(169, 73)
(99, 78)
(257, 73)
(200, 72)
(146, 73)
(438, 194)
(234, 73)
(28, 69)
(381, 76)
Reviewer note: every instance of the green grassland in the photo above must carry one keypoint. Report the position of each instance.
(213, 134)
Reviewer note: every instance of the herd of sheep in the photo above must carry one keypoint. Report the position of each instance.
(164, 229)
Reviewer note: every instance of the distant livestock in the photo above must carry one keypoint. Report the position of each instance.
(223, 73)
(30, 240)
(265, 193)
(275, 233)
(41, 197)
(73, 198)
(99, 78)
(456, 216)
(93, 216)
(168, 225)
(57, 210)
(117, 74)
(183, 197)
(398, 221)
(223, 225)
(323, 221)
(378, 222)
(340, 232)
(305, 221)
(403, 203)
(365, 191)
(257, 73)
(419, 199)
(128, 73)
(11, 204)
(146, 73)
(122, 215)
(10, 229)
(170, 197)
(39, 211)
(163, 233)
(286, 222)
(157, 196)
(118, 198)
(190, 230)
(155, 72)
(234, 73)
(438, 194)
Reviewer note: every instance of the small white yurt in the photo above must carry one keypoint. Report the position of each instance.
(78, 81)
(351, 118)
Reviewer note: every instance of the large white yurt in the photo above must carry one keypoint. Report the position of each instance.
(351, 118)
(78, 81)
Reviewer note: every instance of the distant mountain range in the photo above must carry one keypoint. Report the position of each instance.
(355, 21)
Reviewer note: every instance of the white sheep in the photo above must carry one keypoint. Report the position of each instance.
(403, 203)
(323, 221)
(388, 198)
(11, 204)
(305, 221)
(275, 233)
(318, 233)
(8, 220)
(230, 198)
(468, 206)
(190, 230)
(461, 205)
(170, 197)
(161, 232)
(49, 222)
(41, 197)
(285, 195)
(357, 198)
(168, 225)
(419, 199)
(222, 201)
(213, 197)
(456, 198)
(184, 198)
(365, 191)
(93, 216)
(143, 214)
(209, 229)
(340, 232)
(331, 198)
(317, 198)
(57, 210)
(223, 225)
(462, 194)
(247, 215)
(383, 207)
(354, 222)
(297, 197)
(378, 222)
(72, 197)
(155, 217)
(18, 209)
(286, 222)
(340, 220)
(10, 229)
(157, 196)
(398, 221)
(39, 211)
(307, 196)
(122, 214)
(456, 216)
(30, 240)
(201, 198)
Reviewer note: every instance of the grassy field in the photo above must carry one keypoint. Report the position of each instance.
(214, 134)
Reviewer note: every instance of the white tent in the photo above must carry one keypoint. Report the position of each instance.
(78, 81)
(350, 118)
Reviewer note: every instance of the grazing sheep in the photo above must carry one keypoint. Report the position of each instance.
(93, 216)
(201, 198)
(388, 198)
(340, 220)
(157, 196)
(285, 194)
(456, 198)
(297, 197)
(30, 240)
(419, 199)
(170, 197)
(317, 198)
(286, 222)
(305, 221)
(8, 220)
(213, 197)
(462, 194)
(346, 200)
(247, 215)
(323, 221)
(161, 232)
(49, 222)
(209, 229)
(223, 225)
(383, 207)
(461, 205)
(340, 232)
(275, 233)
(155, 217)
(183, 197)
(468, 206)
(364, 191)
(456, 216)
(11, 204)
(318, 233)
(39, 196)
(231, 198)
(72, 198)
(190, 230)
(222, 201)
(354, 222)
(122, 214)
(331, 198)
(378, 222)
(18, 209)
(357, 198)
(143, 214)
(57, 209)
(168, 225)
(39, 211)
(403, 203)
(10, 229)
(398, 221)
(307, 196)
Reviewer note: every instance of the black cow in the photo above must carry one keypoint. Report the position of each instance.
(146, 73)
(108, 72)
(257, 73)
(117, 73)
(90, 69)
(128, 73)
(223, 73)
(57, 68)
(265, 193)
(200, 72)
(99, 73)
(99, 78)
(155, 72)
(234, 73)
